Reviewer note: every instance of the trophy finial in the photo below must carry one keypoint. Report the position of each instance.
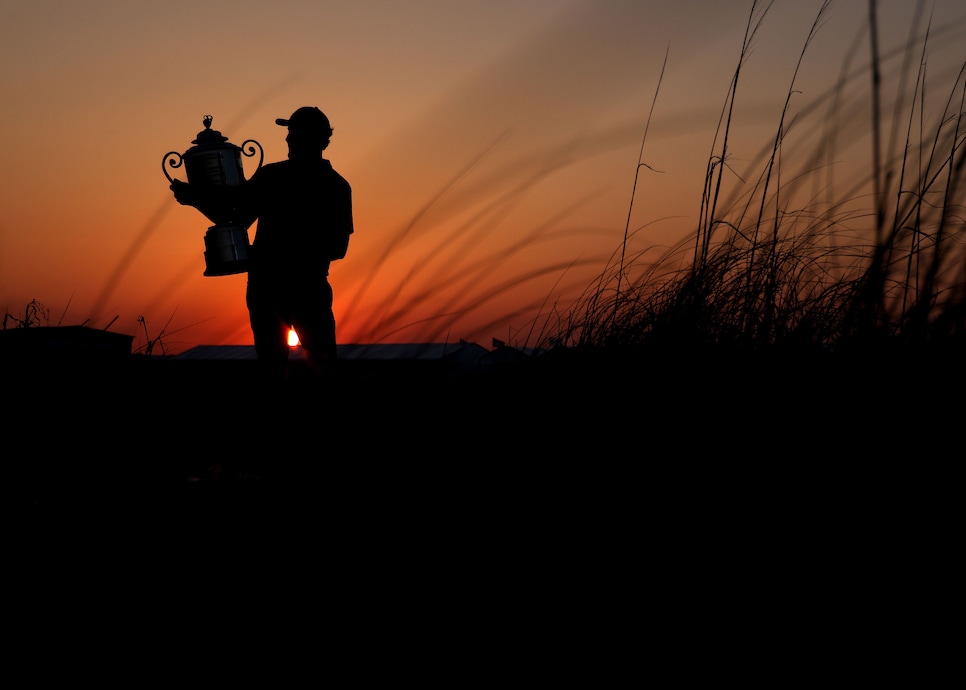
(207, 121)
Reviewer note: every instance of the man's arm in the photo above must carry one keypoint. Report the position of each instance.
(235, 203)
(342, 227)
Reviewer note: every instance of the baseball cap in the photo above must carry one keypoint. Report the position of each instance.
(307, 119)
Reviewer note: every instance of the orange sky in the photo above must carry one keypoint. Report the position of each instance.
(491, 147)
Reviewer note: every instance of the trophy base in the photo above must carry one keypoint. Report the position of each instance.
(226, 250)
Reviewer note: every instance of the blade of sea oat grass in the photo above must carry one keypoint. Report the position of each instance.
(637, 172)
(706, 220)
(459, 278)
(409, 227)
(451, 255)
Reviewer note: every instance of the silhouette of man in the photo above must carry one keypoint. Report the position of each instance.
(304, 212)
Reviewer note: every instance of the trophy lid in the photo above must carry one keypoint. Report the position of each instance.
(209, 136)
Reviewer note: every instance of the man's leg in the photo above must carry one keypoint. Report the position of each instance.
(270, 333)
(314, 322)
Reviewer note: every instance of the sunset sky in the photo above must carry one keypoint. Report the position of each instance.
(491, 146)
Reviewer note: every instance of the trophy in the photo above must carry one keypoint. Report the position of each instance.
(215, 162)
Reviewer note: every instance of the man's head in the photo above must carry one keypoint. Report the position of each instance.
(308, 128)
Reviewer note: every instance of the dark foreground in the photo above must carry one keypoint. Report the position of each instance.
(569, 451)
(766, 519)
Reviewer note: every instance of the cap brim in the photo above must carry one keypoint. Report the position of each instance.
(281, 121)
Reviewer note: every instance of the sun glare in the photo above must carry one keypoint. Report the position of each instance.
(293, 338)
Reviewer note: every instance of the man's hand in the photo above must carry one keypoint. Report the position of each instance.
(183, 193)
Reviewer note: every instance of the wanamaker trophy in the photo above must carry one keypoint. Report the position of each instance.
(214, 162)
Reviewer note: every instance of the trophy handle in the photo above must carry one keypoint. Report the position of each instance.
(172, 158)
(251, 150)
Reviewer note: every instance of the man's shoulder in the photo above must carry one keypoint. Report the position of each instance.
(272, 169)
(288, 169)
(341, 180)
(331, 171)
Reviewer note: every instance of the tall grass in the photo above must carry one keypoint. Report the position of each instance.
(775, 265)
